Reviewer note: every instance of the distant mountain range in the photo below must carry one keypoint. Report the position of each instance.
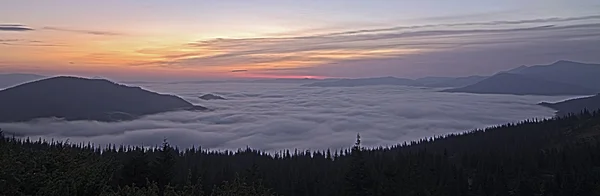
(13, 79)
(271, 81)
(365, 82)
(449, 81)
(73, 98)
(569, 72)
(421, 82)
(575, 106)
(516, 84)
(560, 78)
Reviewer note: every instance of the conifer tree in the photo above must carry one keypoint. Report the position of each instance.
(358, 182)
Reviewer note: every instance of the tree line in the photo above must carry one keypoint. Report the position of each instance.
(559, 156)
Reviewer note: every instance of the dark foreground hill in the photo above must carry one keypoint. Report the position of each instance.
(516, 84)
(72, 98)
(575, 105)
(559, 157)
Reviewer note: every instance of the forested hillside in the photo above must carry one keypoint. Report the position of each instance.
(560, 156)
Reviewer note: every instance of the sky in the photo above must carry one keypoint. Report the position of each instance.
(189, 39)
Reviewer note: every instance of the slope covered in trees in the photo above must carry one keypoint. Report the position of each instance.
(559, 156)
(577, 105)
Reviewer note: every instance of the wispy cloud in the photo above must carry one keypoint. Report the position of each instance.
(15, 27)
(90, 32)
(26, 42)
(489, 23)
(297, 53)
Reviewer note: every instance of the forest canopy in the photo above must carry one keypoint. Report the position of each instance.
(559, 156)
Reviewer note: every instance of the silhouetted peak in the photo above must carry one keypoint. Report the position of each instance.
(566, 62)
(72, 78)
(76, 98)
(517, 69)
(211, 97)
(522, 67)
(504, 74)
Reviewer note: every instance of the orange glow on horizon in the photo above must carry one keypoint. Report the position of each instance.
(175, 56)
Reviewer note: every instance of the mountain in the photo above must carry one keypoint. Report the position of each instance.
(423, 82)
(211, 97)
(507, 83)
(517, 69)
(8, 80)
(365, 82)
(199, 82)
(72, 98)
(569, 72)
(575, 105)
(450, 81)
(285, 80)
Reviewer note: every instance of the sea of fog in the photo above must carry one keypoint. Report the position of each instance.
(287, 116)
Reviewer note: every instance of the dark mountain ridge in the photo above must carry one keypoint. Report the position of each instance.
(73, 98)
(450, 81)
(559, 78)
(516, 84)
(574, 106)
(582, 74)
(13, 79)
(421, 82)
(365, 82)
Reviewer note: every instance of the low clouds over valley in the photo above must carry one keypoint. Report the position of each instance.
(287, 116)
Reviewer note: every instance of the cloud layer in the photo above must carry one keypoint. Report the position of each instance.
(286, 116)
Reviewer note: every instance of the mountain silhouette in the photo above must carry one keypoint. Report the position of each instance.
(575, 106)
(365, 82)
(8, 80)
(421, 82)
(506, 83)
(211, 97)
(569, 72)
(559, 78)
(450, 81)
(73, 98)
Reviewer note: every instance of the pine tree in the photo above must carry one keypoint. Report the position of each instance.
(136, 171)
(162, 167)
(358, 182)
(193, 187)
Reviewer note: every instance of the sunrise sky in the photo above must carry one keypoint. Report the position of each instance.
(157, 39)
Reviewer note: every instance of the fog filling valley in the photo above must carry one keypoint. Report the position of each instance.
(272, 117)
